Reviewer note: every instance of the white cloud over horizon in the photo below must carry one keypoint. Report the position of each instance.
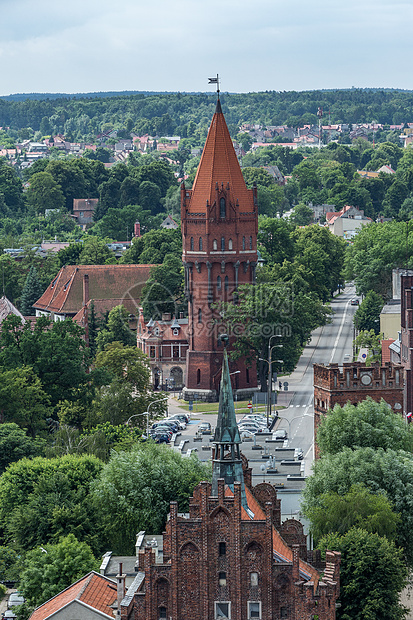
(95, 45)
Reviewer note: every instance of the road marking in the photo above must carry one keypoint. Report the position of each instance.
(339, 331)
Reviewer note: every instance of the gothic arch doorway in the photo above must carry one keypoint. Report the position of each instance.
(177, 376)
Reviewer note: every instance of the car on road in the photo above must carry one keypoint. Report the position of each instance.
(354, 302)
(15, 599)
(280, 434)
(8, 615)
(298, 454)
(205, 428)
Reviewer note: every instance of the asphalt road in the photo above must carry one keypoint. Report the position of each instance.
(331, 343)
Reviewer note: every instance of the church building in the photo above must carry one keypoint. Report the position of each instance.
(219, 220)
(230, 557)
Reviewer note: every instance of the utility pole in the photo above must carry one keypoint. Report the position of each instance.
(320, 116)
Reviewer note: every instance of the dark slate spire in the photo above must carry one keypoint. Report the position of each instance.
(227, 462)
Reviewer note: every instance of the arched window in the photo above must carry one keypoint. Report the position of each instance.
(215, 244)
(250, 243)
(243, 243)
(162, 612)
(219, 283)
(222, 244)
(226, 283)
(247, 374)
(199, 315)
(191, 244)
(230, 244)
(198, 376)
(254, 579)
(200, 244)
(222, 208)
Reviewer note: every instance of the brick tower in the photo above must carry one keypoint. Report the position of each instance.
(219, 219)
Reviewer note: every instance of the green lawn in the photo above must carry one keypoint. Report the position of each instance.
(241, 407)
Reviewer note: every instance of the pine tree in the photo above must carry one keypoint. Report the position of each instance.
(32, 291)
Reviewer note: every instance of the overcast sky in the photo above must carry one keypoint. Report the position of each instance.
(100, 45)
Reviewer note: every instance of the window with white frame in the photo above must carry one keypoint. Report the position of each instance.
(222, 609)
(254, 609)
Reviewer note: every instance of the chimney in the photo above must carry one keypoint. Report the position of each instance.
(137, 229)
(120, 580)
(85, 289)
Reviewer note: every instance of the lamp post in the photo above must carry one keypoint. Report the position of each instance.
(269, 381)
(135, 415)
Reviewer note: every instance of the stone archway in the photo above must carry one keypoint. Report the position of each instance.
(177, 376)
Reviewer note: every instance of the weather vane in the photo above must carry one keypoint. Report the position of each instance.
(215, 80)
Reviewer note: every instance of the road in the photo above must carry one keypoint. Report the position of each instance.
(331, 343)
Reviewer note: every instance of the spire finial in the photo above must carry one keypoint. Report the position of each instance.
(215, 80)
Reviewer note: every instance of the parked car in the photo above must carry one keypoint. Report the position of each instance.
(280, 434)
(161, 437)
(250, 426)
(171, 425)
(8, 615)
(180, 416)
(298, 454)
(205, 428)
(354, 302)
(246, 434)
(15, 599)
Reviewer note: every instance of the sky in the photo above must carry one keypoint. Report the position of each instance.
(75, 46)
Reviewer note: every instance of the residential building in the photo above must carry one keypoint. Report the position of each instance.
(83, 210)
(219, 222)
(347, 222)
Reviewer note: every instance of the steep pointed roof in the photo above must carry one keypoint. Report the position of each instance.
(227, 462)
(218, 165)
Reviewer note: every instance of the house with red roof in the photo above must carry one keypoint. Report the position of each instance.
(94, 597)
(347, 222)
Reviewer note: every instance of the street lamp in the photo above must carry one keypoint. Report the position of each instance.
(269, 380)
(135, 415)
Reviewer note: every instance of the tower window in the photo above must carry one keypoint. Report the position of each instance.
(199, 315)
(243, 243)
(226, 283)
(222, 579)
(222, 548)
(222, 244)
(222, 609)
(200, 244)
(254, 610)
(198, 376)
(254, 579)
(191, 244)
(222, 208)
(219, 283)
(247, 374)
(162, 612)
(250, 243)
(215, 244)
(230, 244)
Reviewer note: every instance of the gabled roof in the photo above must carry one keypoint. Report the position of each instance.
(218, 165)
(93, 590)
(7, 308)
(65, 293)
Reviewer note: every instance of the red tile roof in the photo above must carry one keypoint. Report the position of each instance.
(219, 164)
(65, 293)
(282, 551)
(385, 351)
(93, 590)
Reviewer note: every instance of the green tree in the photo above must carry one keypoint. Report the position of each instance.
(302, 215)
(116, 329)
(257, 175)
(9, 560)
(50, 569)
(71, 178)
(372, 575)
(95, 252)
(245, 141)
(70, 255)
(367, 316)
(136, 487)
(153, 246)
(369, 424)
(125, 363)
(357, 508)
(44, 193)
(42, 499)
(276, 240)
(371, 341)
(32, 291)
(387, 472)
(16, 445)
(164, 288)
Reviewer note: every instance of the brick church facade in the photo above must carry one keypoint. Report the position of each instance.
(219, 218)
(231, 557)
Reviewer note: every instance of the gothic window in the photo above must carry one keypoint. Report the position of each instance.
(191, 244)
(151, 351)
(230, 244)
(222, 548)
(254, 609)
(162, 612)
(250, 243)
(222, 610)
(215, 244)
(283, 612)
(247, 374)
(222, 208)
(222, 244)
(175, 332)
(200, 244)
(198, 376)
(226, 283)
(222, 579)
(219, 283)
(243, 243)
(199, 315)
(254, 579)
